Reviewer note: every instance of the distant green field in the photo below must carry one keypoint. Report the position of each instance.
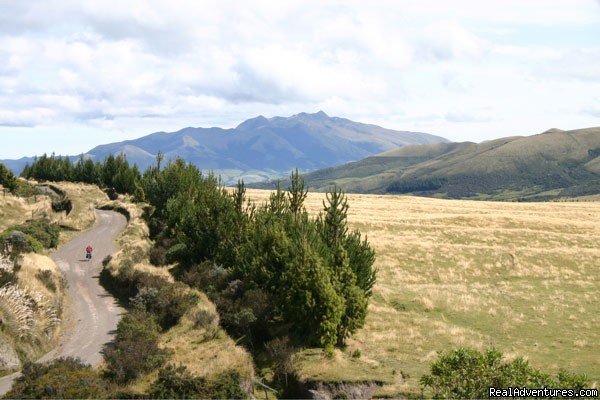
(522, 277)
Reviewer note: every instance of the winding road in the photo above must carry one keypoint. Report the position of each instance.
(93, 314)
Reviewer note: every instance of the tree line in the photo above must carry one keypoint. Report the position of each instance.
(271, 269)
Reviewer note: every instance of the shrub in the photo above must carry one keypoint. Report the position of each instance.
(7, 179)
(467, 374)
(135, 348)
(158, 256)
(62, 204)
(282, 353)
(204, 319)
(112, 193)
(66, 378)
(25, 189)
(178, 383)
(47, 279)
(15, 243)
(45, 232)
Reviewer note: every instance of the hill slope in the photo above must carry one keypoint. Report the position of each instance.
(552, 164)
(260, 148)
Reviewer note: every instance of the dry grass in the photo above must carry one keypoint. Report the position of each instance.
(519, 276)
(16, 210)
(203, 354)
(30, 312)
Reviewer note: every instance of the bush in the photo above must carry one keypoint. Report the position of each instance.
(66, 378)
(178, 383)
(467, 374)
(112, 193)
(8, 277)
(158, 256)
(25, 189)
(47, 279)
(7, 179)
(15, 243)
(45, 232)
(62, 204)
(135, 348)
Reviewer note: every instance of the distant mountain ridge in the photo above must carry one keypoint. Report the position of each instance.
(549, 165)
(260, 148)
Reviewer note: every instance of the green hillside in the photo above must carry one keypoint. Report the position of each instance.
(549, 165)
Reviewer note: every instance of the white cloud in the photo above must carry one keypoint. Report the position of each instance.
(147, 66)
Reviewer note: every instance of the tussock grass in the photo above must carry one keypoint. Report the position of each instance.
(522, 277)
(16, 210)
(31, 313)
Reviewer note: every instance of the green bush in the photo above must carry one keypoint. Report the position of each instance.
(45, 232)
(468, 374)
(167, 302)
(65, 378)
(177, 383)
(135, 348)
(15, 242)
(62, 204)
(25, 189)
(7, 179)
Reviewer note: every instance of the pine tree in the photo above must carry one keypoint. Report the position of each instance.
(297, 193)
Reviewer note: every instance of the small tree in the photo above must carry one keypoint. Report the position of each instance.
(297, 193)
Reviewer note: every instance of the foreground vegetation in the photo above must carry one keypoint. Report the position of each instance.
(273, 270)
(521, 277)
(517, 277)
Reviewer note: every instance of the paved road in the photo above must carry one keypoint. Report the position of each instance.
(93, 315)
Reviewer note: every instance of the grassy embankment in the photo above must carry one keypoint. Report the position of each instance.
(203, 355)
(31, 307)
(522, 277)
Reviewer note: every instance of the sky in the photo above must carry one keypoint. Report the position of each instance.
(77, 74)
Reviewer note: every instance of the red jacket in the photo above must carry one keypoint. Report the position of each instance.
(88, 249)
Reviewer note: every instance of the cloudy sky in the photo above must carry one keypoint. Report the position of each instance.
(75, 74)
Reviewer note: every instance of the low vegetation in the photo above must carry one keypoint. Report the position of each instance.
(178, 383)
(64, 378)
(465, 373)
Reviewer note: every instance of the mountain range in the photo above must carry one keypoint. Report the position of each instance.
(545, 166)
(262, 148)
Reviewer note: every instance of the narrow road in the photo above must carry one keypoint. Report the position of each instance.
(93, 314)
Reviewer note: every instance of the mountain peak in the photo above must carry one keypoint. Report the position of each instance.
(320, 115)
(553, 130)
(253, 123)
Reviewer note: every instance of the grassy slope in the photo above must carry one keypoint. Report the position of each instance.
(14, 211)
(202, 357)
(502, 169)
(519, 276)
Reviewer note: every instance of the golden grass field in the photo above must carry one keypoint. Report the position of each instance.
(522, 277)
